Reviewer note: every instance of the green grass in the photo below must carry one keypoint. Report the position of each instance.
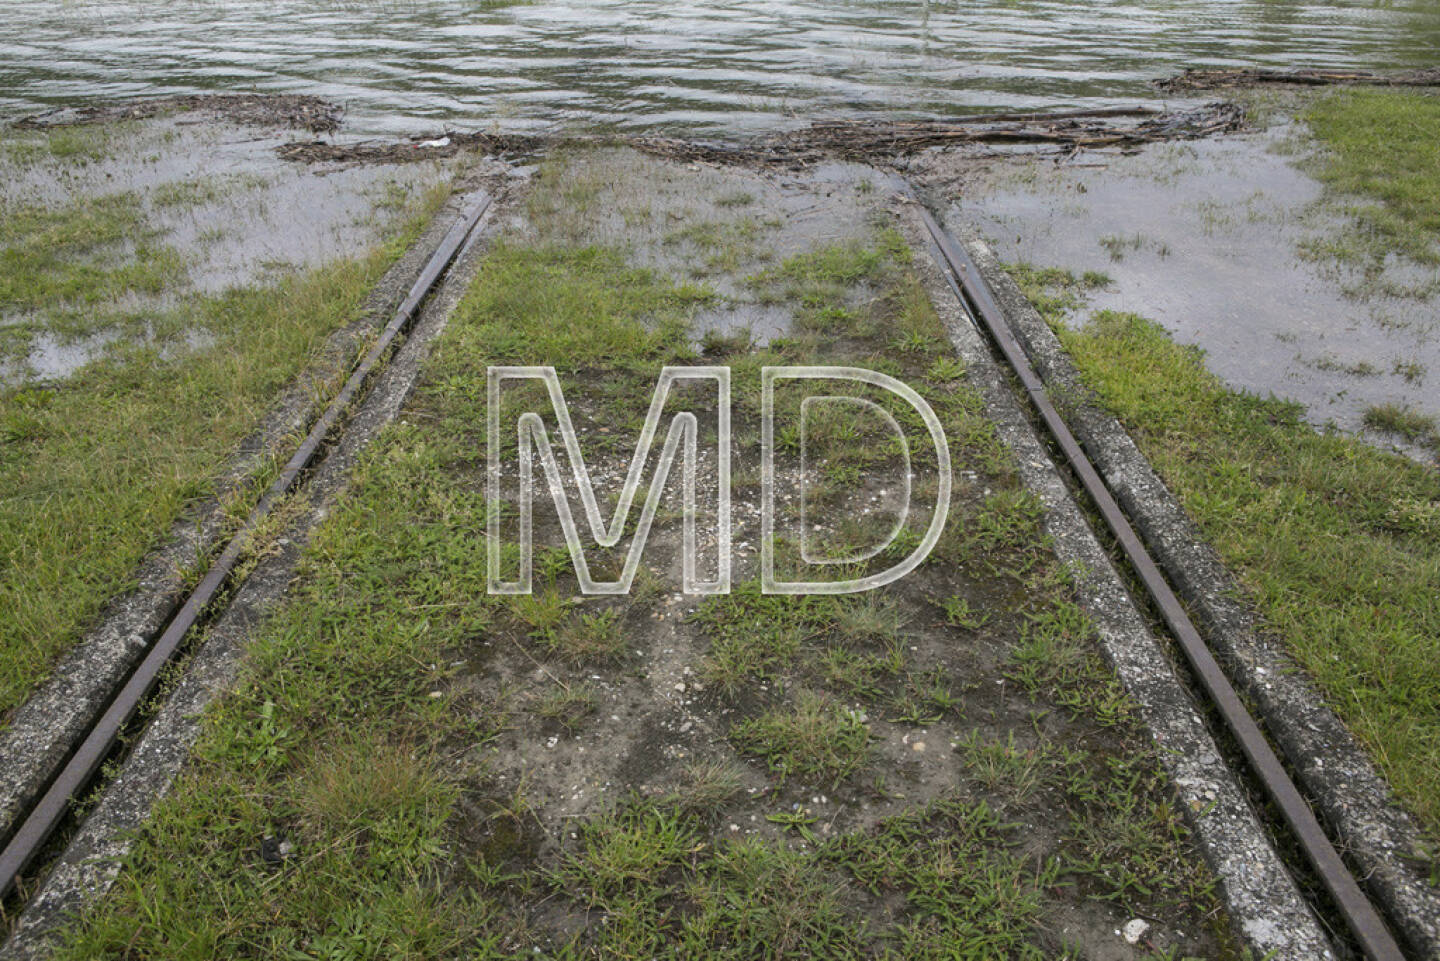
(1116, 246)
(1054, 290)
(723, 246)
(1380, 151)
(754, 636)
(592, 293)
(80, 255)
(568, 706)
(79, 146)
(815, 739)
(186, 194)
(587, 637)
(1414, 426)
(94, 469)
(970, 903)
(1328, 534)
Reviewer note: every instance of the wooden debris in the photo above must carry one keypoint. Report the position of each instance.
(416, 148)
(860, 140)
(294, 111)
(1251, 77)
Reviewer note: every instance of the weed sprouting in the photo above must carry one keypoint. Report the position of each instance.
(816, 739)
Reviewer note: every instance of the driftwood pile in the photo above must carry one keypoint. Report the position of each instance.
(859, 140)
(1251, 77)
(866, 140)
(292, 111)
(416, 148)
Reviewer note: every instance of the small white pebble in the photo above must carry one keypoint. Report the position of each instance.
(1134, 930)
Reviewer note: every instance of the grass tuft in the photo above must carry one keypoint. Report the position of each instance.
(815, 739)
(1380, 149)
(1413, 425)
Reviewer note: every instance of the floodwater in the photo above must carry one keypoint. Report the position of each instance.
(731, 66)
(218, 194)
(1205, 238)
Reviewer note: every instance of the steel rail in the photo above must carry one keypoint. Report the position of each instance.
(1361, 916)
(79, 769)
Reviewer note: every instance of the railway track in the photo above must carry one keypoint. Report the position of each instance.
(1362, 919)
(27, 840)
(27, 837)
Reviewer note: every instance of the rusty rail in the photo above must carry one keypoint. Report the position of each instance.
(1361, 917)
(79, 769)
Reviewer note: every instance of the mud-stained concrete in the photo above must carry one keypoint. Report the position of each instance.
(1374, 831)
(1206, 237)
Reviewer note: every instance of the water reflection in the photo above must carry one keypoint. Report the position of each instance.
(725, 65)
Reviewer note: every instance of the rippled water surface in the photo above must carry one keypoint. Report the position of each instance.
(722, 65)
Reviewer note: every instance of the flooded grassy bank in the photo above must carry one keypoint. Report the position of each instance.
(412, 767)
(1337, 542)
(163, 286)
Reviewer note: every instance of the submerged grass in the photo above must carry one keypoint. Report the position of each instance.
(95, 469)
(1379, 163)
(78, 145)
(80, 254)
(1413, 425)
(1329, 535)
(1381, 148)
(368, 658)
